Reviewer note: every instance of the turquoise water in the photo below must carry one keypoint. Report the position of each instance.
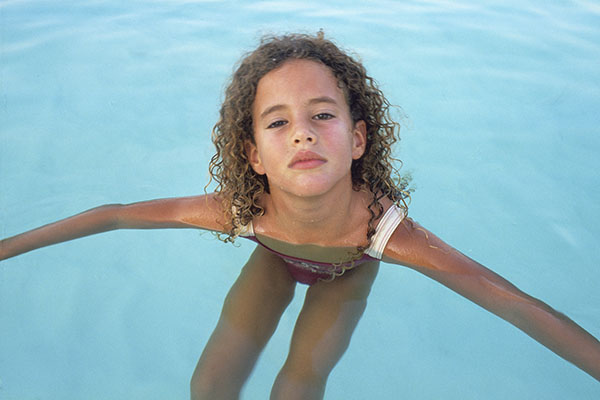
(106, 101)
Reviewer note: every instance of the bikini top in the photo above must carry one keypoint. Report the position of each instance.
(386, 226)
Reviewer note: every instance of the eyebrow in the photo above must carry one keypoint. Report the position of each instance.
(316, 100)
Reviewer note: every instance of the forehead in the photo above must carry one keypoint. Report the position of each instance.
(297, 80)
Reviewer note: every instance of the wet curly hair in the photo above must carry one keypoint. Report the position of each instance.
(240, 188)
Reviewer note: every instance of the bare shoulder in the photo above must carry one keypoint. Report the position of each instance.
(203, 212)
(406, 243)
(414, 246)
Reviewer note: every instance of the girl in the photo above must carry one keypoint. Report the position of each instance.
(304, 169)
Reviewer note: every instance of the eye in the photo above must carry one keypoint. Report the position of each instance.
(276, 124)
(323, 116)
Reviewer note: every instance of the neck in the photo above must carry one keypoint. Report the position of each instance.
(316, 219)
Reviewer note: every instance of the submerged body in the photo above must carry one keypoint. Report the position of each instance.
(331, 310)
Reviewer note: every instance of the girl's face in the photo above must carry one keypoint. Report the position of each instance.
(305, 139)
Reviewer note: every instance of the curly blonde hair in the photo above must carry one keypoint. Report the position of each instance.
(240, 187)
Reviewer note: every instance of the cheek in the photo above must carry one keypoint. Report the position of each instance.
(270, 152)
(341, 141)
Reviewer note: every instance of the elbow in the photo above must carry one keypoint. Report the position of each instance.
(508, 302)
(111, 215)
(536, 312)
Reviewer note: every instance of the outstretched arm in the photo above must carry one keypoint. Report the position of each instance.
(413, 246)
(203, 212)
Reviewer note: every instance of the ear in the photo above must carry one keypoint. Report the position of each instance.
(359, 139)
(253, 157)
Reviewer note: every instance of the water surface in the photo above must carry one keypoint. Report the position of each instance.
(106, 101)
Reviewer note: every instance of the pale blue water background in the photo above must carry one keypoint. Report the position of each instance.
(107, 101)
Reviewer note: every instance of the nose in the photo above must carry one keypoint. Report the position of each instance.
(303, 133)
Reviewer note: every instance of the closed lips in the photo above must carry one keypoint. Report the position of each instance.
(305, 157)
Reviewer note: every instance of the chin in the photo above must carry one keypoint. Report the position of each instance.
(312, 189)
(312, 186)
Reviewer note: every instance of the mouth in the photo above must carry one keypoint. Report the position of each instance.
(306, 160)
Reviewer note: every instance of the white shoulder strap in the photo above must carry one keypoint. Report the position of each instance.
(386, 226)
(247, 230)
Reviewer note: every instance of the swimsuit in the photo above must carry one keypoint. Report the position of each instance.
(309, 272)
